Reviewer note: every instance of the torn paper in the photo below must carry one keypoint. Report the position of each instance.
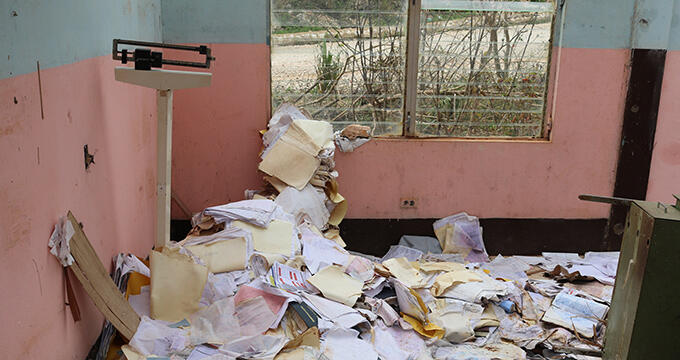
(476, 291)
(452, 278)
(403, 270)
(176, 286)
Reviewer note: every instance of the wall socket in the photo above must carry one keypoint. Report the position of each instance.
(408, 203)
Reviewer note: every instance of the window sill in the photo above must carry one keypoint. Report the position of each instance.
(394, 138)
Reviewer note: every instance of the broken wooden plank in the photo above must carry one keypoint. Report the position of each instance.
(71, 296)
(98, 283)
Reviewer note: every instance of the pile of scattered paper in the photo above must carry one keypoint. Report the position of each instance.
(269, 278)
(322, 302)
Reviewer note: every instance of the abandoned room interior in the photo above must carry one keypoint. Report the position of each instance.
(340, 179)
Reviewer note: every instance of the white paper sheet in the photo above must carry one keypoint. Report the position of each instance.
(254, 347)
(202, 352)
(223, 285)
(341, 344)
(360, 268)
(132, 263)
(343, 316)
(278, 301)
(155, 337)
(503, 351)
(278, 124)
(306, 204)
(394, 343)
(397, 251)
(508, 268)
(254, 316)
(215, 324)
(288, 278)
(461, 233)
(320, 252)
(141, 302)
(573, 312)
(475, 291)
(256, 212)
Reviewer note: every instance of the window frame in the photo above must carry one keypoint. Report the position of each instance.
(410, 84)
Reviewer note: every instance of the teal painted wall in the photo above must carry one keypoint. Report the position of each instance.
(619, 24)
(589, 24)
(594, 24)
(66, 31)
(216, 21)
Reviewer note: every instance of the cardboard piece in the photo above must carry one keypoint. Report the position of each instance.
(96, 281)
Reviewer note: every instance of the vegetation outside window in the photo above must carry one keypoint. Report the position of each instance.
(482, 65)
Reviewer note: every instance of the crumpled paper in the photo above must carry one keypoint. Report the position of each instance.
(348, 145)
(155, 337)
(60, 241)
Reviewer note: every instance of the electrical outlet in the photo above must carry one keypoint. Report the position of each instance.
(408, 203)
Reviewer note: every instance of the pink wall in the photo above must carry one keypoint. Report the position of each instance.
(216, 146)
(664, 175)
(506, 179)
(43, 176)
(215, 133)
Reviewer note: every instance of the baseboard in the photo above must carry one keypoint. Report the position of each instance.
(501, 236)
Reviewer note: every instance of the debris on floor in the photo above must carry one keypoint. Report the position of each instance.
(269, 278)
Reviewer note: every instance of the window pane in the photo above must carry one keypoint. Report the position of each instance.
(482, 68)
(342, 61)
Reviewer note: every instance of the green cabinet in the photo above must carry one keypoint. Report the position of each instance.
(644, 319)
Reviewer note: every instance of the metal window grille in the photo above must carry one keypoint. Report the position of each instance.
(483, 68)
(342, 61)
(482, 65)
